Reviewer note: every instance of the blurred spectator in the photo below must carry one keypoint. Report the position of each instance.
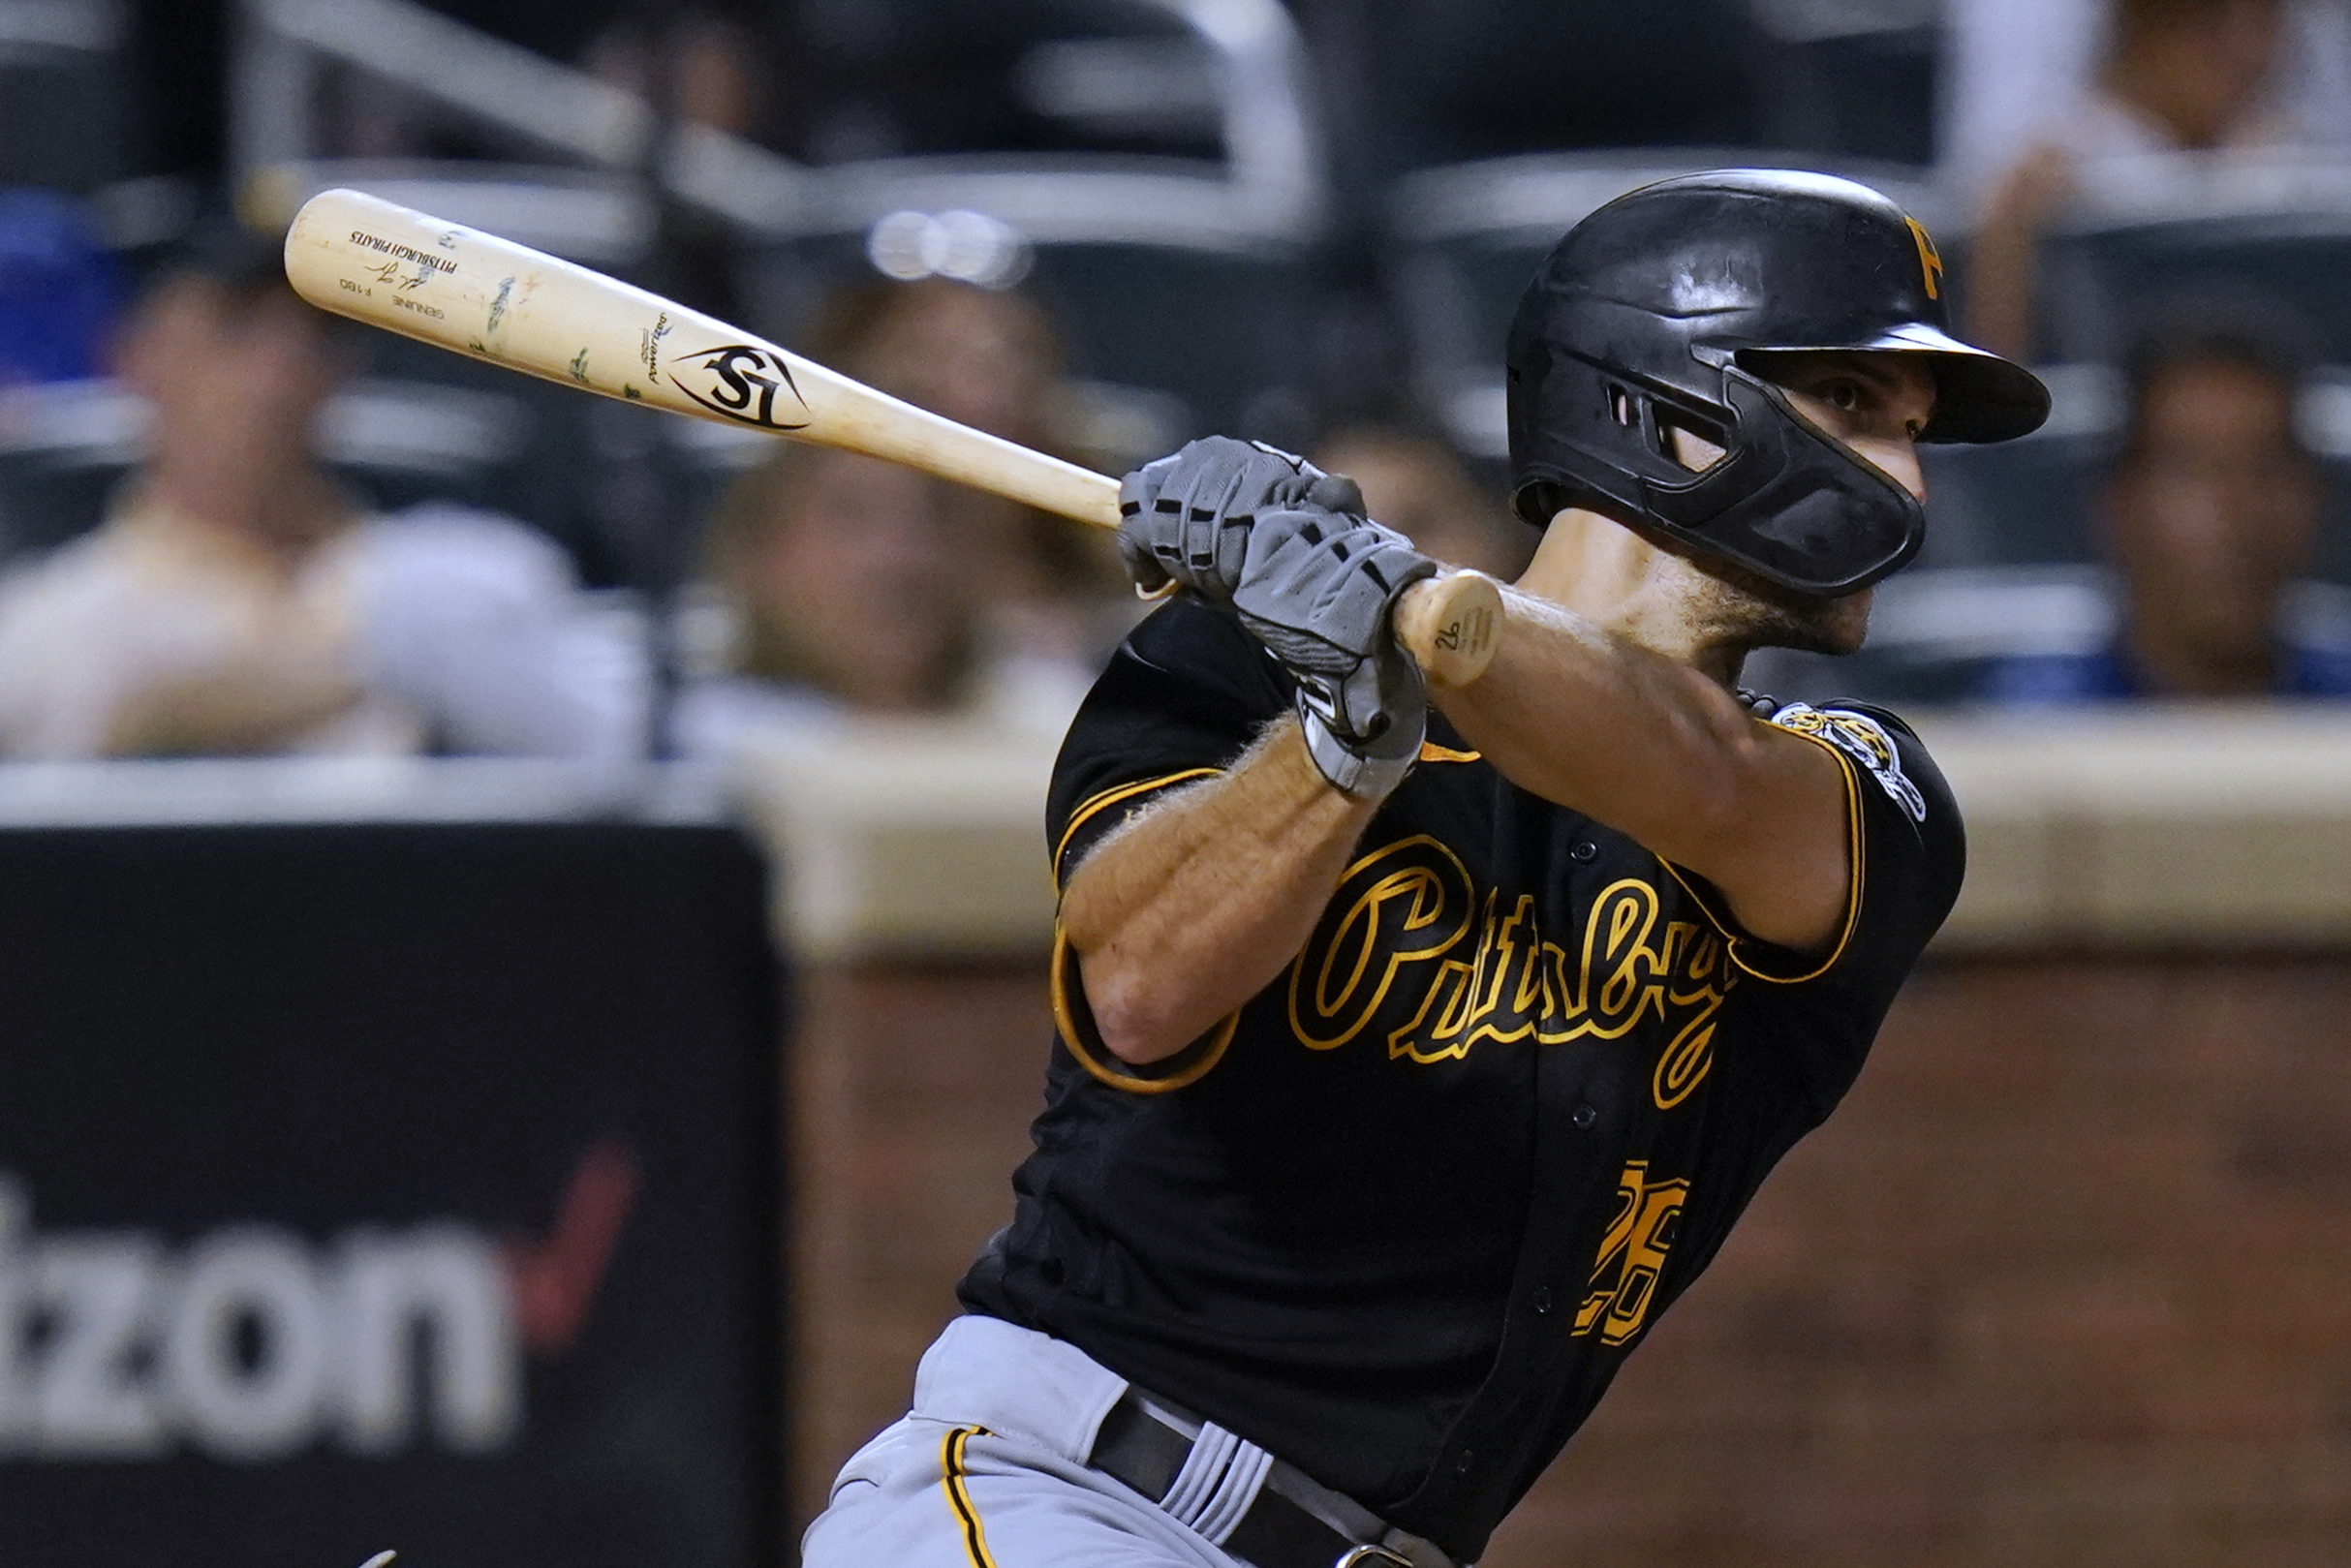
(715, 67)
(844, 584)
(1416, 486)
(709, 60)
(2211, 511)
(2017, 71)
(2177, 76)
(991, 358)
(236, 601)
(987, 357)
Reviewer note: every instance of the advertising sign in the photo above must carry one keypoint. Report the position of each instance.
(402, 1186)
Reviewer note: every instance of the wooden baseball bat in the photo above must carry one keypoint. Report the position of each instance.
(474, 293)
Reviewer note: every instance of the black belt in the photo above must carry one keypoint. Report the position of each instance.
(1290, 1523)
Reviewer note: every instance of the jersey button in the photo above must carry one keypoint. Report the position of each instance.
(1543, 1298)
(1584, 853)
(1585, 1116)
(1461, 1466)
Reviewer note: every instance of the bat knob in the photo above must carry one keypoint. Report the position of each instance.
(1449, 625)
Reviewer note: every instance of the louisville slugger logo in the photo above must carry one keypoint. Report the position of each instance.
(743, 380)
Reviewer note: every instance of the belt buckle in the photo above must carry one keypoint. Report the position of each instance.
(1364, 1557)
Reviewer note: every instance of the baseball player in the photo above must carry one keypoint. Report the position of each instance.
(1415, 1050)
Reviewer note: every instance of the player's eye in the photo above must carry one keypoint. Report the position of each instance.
(1841, 393)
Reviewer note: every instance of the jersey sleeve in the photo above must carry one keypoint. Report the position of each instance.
(1183, 697)
(1908, 852)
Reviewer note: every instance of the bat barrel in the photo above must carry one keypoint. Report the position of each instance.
(491, 299)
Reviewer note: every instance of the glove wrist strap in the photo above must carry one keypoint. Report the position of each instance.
(1352, 772)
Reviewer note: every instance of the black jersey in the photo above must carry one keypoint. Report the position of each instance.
(1399, 1221)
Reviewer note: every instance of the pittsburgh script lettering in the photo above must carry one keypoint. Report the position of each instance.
(405, 253)
(1411, 944)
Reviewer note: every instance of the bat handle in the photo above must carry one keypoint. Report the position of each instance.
(1449, 624)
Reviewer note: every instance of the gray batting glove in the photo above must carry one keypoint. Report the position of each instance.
(1185, 520)
(1316, 588)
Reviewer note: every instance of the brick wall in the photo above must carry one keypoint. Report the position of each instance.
(912, 1095)
(2067, 1280)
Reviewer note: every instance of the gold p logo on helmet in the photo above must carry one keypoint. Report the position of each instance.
(1930, 263)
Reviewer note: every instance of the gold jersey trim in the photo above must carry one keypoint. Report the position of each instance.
(1857, 868)
(1096, 804)
(951, 1473)
(1187, 1066)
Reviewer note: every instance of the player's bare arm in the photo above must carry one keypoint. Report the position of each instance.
(1667, 757)
(1199, 903)
(1610, 690)
(1194, 906)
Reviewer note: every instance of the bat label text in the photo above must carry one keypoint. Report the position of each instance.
(744, 380)
(425, 262)
(650, 352)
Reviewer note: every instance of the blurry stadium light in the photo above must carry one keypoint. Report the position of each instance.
(967, 246)
(2322, 414)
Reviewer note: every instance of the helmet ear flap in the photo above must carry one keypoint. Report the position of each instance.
(1656, 424)
(1538, 501)
(1585, 434)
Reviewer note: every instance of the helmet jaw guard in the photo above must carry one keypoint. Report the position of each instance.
(1786, 501)
(1658, 309)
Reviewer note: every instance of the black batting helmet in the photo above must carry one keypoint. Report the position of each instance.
(1651, 312)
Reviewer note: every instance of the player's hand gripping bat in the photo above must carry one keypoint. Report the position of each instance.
(476, 293)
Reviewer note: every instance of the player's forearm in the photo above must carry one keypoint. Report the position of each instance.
(1184, 915)
(1665, 755)
(1602, 726)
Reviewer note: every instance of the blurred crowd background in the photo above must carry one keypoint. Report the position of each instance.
(2063, 1284)
(1100, 226)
